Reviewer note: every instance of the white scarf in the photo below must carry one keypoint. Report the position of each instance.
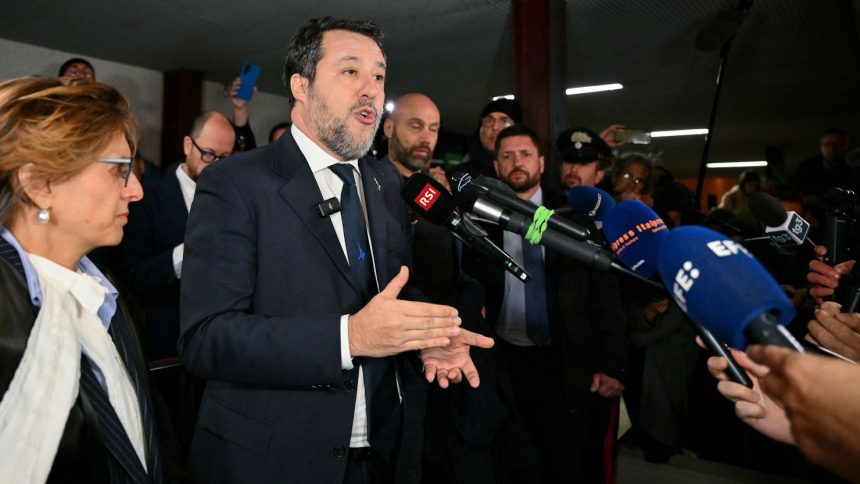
(35, 408)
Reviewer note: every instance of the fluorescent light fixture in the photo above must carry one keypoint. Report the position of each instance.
(587, 89)
(576, 90)
(678, 132)
(389, 106)
(737, 164)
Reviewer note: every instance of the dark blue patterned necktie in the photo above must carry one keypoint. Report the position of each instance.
(355, 232)
(537, 322)
(380, 390)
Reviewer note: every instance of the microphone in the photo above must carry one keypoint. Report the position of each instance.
(587, 253)
(785, 229)
(590, 202)
(433, 203)
(328, 207)
(639, 252)
(497, 191)
(635, 233)
(721, 286)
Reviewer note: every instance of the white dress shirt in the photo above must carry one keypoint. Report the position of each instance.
(187, 186)
(511, 326)
(330, 185)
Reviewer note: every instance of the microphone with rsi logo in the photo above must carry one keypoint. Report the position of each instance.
(590, 202)
(433, 203)
(636, 234)
(496, 191)
(721, 286)
(785, 229)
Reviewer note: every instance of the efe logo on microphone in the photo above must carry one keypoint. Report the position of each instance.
(684, 280)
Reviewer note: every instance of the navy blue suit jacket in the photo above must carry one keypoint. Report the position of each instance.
(156, 225)
(264, 285)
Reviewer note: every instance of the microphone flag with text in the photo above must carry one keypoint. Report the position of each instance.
(635, 233)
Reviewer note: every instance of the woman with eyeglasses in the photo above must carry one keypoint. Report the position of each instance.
(75, 399)
(631, 179)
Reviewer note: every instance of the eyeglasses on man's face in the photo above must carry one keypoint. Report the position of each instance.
(206, 155)
(123, 166)
(493, 121)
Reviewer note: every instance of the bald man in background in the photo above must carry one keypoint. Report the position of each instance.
(458, 420)
(412, 131)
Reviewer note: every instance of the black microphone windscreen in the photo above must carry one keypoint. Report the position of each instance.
(428, 198)
(494, 184)
(767, 209)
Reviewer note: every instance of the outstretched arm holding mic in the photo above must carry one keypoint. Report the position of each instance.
(754, 407)
(821, 398)
(800, 399)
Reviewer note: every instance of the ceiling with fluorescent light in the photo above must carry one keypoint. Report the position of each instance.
(792, 71)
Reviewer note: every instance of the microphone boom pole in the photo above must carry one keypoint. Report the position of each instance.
(733, 17)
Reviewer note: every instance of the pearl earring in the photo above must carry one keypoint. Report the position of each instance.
(43, 216)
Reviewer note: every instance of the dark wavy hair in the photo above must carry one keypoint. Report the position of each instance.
(304, 51)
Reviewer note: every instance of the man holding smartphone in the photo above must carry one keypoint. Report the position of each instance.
(245, 140)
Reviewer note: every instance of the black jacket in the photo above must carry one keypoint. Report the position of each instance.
(84, 455)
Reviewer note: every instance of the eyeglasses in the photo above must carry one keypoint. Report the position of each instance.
(85, 73)
(206, 155)
(630, 177)
(491, 122)
(124, 167)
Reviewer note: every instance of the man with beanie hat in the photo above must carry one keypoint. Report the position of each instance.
(585, 157)
(496, 116)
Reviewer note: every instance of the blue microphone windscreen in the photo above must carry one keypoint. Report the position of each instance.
(719, 284)
(589, 202)
(635, 233)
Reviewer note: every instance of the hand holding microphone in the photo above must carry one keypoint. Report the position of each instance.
(754, 407)
(821, 399)
(825, 278)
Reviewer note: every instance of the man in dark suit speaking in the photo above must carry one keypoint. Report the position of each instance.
(289, 301)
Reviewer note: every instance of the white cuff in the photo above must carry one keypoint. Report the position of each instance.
(345, 357)
(178, 252)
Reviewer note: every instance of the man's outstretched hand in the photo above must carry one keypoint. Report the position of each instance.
(451, 363)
